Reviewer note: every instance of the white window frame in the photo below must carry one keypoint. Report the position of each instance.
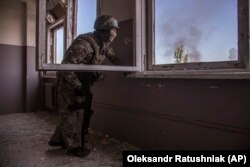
(215, 70)
(70, 34)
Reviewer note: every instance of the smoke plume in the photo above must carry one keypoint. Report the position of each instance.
(186, 24)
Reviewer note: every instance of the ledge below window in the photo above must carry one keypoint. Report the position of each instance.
(194, 74)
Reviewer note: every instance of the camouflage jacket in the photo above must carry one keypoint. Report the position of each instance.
(86, 49)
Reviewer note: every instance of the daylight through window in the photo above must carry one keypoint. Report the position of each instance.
(59, 50)
(86, 15)
(188, 31)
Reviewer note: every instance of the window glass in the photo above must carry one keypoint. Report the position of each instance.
(59, 33)
(195, 31)
(86, 15)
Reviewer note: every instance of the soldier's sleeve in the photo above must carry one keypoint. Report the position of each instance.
(79, 52)
(110, 54)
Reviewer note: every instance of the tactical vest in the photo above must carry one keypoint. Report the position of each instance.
(97, 57)
(91, 77)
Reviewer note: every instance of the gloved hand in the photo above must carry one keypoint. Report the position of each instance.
(101, 76)
(80, 90)
(97, 76)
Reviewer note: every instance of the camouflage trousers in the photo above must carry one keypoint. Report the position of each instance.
(75, 112)
(69, 129)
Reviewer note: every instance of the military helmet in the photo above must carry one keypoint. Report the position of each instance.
(105, 22)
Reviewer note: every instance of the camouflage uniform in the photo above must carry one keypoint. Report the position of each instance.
(85, 49)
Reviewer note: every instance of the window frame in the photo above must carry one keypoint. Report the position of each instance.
(70, 34)
(193, 65)
(202, 70)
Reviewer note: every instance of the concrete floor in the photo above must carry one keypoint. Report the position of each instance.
(24, 137)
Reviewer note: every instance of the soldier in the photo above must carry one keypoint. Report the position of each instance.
(74, 96)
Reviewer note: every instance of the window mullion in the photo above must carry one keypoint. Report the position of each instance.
(138, 52)
(150, 36)
(41, 31)
(243, 32)
(247, 32)
(70, 23)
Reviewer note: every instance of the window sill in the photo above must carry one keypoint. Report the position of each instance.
(188, 74)
(194, 74)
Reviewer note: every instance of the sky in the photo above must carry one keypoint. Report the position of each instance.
(86, 16)
(206, 28)
(59, 45)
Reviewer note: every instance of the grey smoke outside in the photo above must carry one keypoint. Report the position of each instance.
(186, 24)
(233, 54)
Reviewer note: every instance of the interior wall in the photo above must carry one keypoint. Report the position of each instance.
(19, 79)
(12, 52)
(121, 10)
(170, 113)
(13, 18)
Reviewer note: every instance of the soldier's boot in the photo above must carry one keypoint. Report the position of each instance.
(87, 144)
(56, 139)
(78, 152)
(56, 144)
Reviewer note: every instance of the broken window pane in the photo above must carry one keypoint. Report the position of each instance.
(50, 18)
(195, 31)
